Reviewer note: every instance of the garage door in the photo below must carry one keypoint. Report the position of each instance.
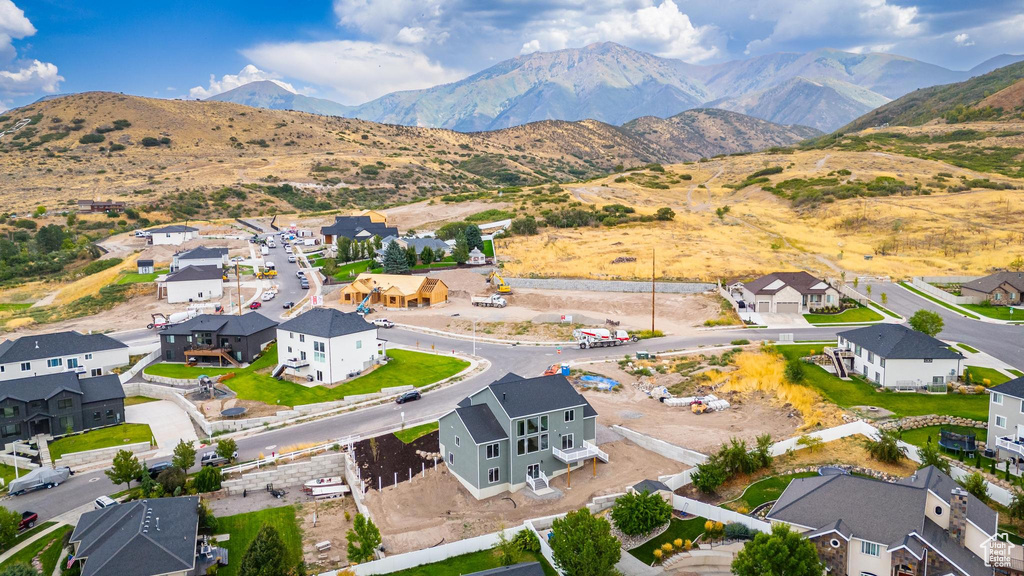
(787, 307)
(764, 306)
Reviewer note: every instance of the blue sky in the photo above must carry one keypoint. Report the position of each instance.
(355, 50)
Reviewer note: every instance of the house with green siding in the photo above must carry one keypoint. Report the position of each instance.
(518, 433)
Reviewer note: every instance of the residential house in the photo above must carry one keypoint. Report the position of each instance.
(439, 247)
(395, 290)
(374, 216)
(175, 235)
(218, 339)
(327, 345)
(193, 284)
(1000, 289)
(922, 525)
(1006, 420)
(786, 293)
(87, 206)
(200, 256)
(518, 432)
(145, 266)
(355, 228)
(151, 537)
(895, 356)
(69, 351)
(54, 403)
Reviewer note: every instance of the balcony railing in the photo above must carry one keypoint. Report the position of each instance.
(295, 363)
(584, 451)
(538, 483)
(1009, 444)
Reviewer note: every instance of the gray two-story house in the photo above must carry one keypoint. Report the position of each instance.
(216, 339)
(52, 404)
(518, 432)
(1006, 420)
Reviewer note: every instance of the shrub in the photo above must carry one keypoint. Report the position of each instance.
(886, 448)
(658, 554)
(667, 546)
(150, 142)
(709, 476)
(92, 138)
(678, 542)
(639, 513)
(737, 531)
(527, 541)
(976, 486)
(208, 479)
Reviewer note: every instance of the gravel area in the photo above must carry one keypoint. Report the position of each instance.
(610, 285)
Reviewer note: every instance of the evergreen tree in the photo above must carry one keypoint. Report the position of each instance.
(344, 249)
(265, 554)
(395, 260)
(461, 252)
(426, 255)
(473, 239)
(410, 255)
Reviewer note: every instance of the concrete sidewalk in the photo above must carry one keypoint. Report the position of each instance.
(983, 360)
(169, 423)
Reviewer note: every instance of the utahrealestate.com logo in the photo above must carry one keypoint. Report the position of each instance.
(998, 550)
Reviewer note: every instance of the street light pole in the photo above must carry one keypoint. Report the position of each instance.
(15, 445)
(474, 337)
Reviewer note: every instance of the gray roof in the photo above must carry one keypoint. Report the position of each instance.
(140, 538)
(144, 262)
(101, 388)
(536, 395)
(39, 387)
(327, 323)
(202, 253)
(173, 229)
(801, 281)
(55, 344)
(189, 273)
(839, 527)
(1013, 388)
(938, 482)
(481, 423)
(989, 283)
(351, 226)
(651, 486)
(521, 569)
(224, 324)
(941, 541)
(899, 342)
(421, 243)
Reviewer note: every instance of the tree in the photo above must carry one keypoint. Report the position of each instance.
(709, 476)
(410, 256)
(473, 238)
(461, 252)
(171, 480)
(19, 569)
(40, 211)
(9, 520)
(930, 456)
(395, 261)
(886, 448)
(639, 513)
(426, 255)
(208, 479)
(763, 453)
(523, 226)
(207, 521)
(721, 211)
(50, 238)
(885, 298)
(265, 554)
(868, 289)
(794, 371)
(125, 469)
(781, 552)
(363, 539)
(583, 545)
(976, 486)
(184, 455)
(1017, 264)
(926, 321)
(344, 249)
(226, 448)
(508, 550)
(1016, 507)
(665, 214)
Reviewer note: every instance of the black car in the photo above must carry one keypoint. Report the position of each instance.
(159, 467)
(288, 304)
(408, 397)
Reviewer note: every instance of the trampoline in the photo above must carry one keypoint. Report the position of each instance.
(233, 412)
(957, 442)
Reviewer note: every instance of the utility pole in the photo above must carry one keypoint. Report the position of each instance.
(238, 285)
(653, 256)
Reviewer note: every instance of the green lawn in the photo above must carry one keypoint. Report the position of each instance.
(136, 278)
(967, 348)
(856, 392)
(471, 563)
(997, 312)
(49, 558)
(1016, 373)
(994, 376)
(30, 533)
(765, 490)
(134, 400)
(919, 436)
(937, 301)
(884, 310)
(684, 529)
(406, 368)
(14, 306)
(858, 314)
(488, 248)
(352, 269)
(243, 528)
(100, 438)
(409, 435)
(7, 473)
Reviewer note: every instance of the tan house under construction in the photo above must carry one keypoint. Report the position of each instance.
(395, 291)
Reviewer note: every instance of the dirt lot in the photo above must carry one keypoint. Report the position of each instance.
(535, 314)
(437, 508)
(331, 526)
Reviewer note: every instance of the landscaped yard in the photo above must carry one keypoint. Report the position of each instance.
(997, 312)
(136, 278)
(409, 435)
(30, 533)
(488, 248)
(243, 528)
(352, 269)
(856, 392)
(919, 436)
(1016, 373)
(7, 473)
(100, 438)
(858, 314)
(49, 558)
(765, 490)
(471, 563)
(980, 374)
(967, 348)
(406, 368)
(685, 530)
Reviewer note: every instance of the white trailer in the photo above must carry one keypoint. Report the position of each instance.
(492, 301)
(599, 337)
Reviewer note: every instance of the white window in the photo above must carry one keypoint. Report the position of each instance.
(359, 344)
(53, 363)
(72, 363)
(1000, 421)
(492, 475)
(302, 355)
(26, 366)
(570, 415)
(3, 369)
(318, 352)
(492, 451)
(88, 356)
(458, 441)
(567, 442)
(870, 548)
(170, 338)
(291, 335)
(997, 398)
(96, 372)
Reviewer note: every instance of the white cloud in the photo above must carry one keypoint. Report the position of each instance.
(830, 19)
(663, 28)
(530, 47)
(356, 70)
(231, 81)
(963, 39)
(413, 35)
(20, 78)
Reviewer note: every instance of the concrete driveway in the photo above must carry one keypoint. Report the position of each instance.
(169, 423)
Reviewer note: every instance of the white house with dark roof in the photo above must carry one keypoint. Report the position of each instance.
(193, 284)
(518, 432)
(174, 235)
(897, 357)
(200, 256)
(786, 293)
(1006, 420)
(325, 345)
(69, 351)
(924, 525)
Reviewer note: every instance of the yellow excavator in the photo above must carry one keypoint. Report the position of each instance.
(502, 286)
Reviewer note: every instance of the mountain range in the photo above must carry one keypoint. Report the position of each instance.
(611, 83)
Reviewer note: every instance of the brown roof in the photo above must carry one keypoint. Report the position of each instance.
(801, 281)
(993, 281)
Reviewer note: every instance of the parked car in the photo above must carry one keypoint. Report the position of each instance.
(288, 304)
(291, 257)
(103, 502)
(300, 274)
(408, 397)
(383, 323)
(267, 296)
(255, 305)
(28, 520)
(159, 467)
(304, 285)
(214, 459)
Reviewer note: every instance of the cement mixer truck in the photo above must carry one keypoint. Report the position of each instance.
(599, 337)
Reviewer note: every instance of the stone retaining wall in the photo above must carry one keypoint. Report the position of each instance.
(74, 459)
(915, 422)
(176, 382)
(288, 475)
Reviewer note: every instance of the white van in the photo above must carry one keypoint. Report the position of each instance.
(264, 250)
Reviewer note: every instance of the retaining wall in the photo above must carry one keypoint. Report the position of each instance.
(670, 451)
(22, 462)
(74, 459)
(176, 382)
(287, 475)
(141, 364)
(924, 284)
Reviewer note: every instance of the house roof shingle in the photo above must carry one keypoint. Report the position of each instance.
(899, 342)
(39, 387)
(351, 227)
(190, 273)
(536, 395)
(938, 482)
(140, 538)
(327, 323)
(55, 344)
(202, 253)
(989, 283)
(481, 423)
(521, 569)
(1013, 388)
(227, 325)
(173, 229)
(101, 388)
(803, 282)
